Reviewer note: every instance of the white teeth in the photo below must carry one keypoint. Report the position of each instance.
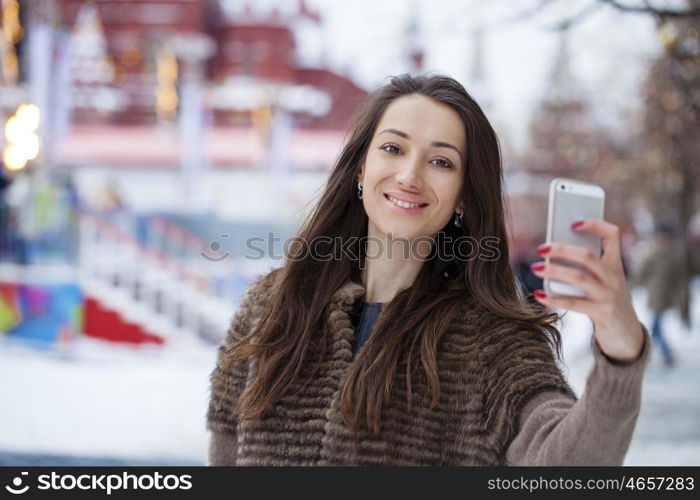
(403, 204)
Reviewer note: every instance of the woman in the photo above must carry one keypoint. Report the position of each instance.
(456, 369)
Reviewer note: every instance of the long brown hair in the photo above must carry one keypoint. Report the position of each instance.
(416, 318)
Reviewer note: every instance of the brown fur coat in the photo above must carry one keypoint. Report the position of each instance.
(497, 384)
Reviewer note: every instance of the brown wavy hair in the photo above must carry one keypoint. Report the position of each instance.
(416, 318)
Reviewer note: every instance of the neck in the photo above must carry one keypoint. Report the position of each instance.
(392, 268)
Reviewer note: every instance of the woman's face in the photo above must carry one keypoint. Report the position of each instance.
(416, 156)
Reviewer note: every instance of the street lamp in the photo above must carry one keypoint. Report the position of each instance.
(22, 142)
(11, 33)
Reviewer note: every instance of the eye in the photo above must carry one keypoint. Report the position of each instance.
(386, 146)
(446, 164)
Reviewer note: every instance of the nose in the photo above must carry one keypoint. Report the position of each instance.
(408, 177)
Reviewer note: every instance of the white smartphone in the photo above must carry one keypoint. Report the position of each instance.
(571, 200)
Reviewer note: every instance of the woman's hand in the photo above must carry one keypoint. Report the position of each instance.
(608, 302)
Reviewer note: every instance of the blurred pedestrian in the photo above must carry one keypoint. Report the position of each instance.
(5, 233)
(662, 273)
(529, 281)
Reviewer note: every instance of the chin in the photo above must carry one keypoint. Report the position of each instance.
(400, 230)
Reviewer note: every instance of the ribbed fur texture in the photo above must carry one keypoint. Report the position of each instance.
(488, 370)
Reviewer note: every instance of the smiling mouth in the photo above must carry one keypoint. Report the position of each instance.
(404, 204)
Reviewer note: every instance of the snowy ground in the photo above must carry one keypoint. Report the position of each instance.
(668, 427)
(105, 405)
(104, 401)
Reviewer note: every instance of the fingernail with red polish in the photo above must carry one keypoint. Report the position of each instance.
(539, 294)
(538, 266)
(544, 249)
(577, 224)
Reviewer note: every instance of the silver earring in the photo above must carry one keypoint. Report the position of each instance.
(458, 219)
(359, 189)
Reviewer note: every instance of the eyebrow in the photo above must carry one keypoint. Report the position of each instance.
(436, 144)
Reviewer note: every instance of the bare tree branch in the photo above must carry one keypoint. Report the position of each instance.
(661, 14)
(655, 11)
(526, 14)
(567, 23)
(561, 25)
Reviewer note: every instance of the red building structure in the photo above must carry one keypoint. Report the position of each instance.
(252, 67)
(134, 32)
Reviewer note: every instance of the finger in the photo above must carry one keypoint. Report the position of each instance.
(575, 253)
(610, 234)
(576, 304)
(576, 276)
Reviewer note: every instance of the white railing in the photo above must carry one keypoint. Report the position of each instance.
(173, 297)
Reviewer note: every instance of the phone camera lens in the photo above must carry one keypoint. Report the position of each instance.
(562, 187)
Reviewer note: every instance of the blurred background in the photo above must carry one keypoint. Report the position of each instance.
(144, 142)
